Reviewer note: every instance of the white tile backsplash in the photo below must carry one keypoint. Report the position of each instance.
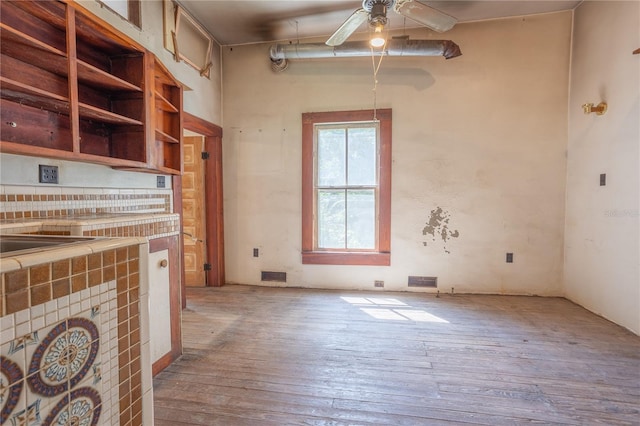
(8, 335)
(51, 318)
(22, 316)
(23, 329)
(7, 322)
(51, 306)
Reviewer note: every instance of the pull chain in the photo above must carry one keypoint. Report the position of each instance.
(375, 80)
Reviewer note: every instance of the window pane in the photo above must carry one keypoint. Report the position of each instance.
(331, 219)
(361, 219)
(331, 157)
(362, 156)
(121, 7)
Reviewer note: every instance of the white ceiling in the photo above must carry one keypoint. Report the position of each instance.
(234, 22)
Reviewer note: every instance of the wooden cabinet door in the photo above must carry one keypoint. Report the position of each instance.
(160, 301)
(165, 321)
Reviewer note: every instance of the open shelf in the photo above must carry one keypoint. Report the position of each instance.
(35, 128)
(10, 34)
(96, 77)
(164, 104)
(93, 113)
(28, 95)
(164, 137)
(37, 23)
(49, 13)
(168, 121)
(32, 51)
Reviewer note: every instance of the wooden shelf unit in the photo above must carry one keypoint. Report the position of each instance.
(167, 101)
(72, 87)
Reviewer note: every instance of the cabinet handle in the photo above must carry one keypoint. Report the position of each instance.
(163, 263)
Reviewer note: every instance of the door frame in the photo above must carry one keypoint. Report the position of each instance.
(213, 198)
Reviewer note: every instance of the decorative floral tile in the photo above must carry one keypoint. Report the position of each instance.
(67, 359)
(16, 357)
(47, 372)
(34, 344)
(81, 407)
(64, 357)
(12, 392)
(37, 405)
(29, 416)
(93, 377)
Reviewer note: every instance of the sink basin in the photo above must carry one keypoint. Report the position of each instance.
(13, 245)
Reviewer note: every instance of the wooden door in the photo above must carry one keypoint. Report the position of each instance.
(213, 198)
(193, 211)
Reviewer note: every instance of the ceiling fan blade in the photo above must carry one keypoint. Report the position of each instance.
(348, 27)
(425, 15)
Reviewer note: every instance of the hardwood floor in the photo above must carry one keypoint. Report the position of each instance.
(267, 356)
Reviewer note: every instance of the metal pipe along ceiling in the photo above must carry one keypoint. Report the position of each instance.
(395, 47)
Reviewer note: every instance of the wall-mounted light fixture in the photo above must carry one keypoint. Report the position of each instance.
(599, 109)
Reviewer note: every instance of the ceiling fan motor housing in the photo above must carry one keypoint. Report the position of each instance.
(368, 4)
(377, 11)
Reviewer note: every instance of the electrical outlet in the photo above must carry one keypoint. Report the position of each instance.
(603, 179)
(378, 283)
(160, 182)
(47, 174)
(256, 252)
(509, 257)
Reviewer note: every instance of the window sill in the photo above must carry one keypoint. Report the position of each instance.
(339, 258)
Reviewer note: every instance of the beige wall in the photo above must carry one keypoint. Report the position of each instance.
(602, 258)
(482, 136)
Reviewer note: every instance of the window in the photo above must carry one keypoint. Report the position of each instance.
(128, 9)
(346, 188)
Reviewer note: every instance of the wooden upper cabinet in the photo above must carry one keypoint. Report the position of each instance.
(74, 88)
(167, 118)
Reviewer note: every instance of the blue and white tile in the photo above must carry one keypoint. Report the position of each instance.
(12, 389)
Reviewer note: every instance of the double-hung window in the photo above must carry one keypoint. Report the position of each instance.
(346, 188)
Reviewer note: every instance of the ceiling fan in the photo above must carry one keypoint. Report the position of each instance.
(375, 11)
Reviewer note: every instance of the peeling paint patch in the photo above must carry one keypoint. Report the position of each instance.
(438, 227)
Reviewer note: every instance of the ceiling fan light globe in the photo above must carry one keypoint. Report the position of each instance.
(377, 41)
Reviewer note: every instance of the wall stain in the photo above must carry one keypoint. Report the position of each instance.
(438, 227)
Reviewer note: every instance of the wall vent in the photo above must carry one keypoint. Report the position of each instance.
(280, 277)
(423, 281)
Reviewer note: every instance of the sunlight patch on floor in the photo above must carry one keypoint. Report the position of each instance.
(392, 309)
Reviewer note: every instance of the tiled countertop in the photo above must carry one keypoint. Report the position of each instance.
(109, 230)
(84, 222)
(53, 254)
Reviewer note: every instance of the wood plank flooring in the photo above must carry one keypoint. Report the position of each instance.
(273, 356)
